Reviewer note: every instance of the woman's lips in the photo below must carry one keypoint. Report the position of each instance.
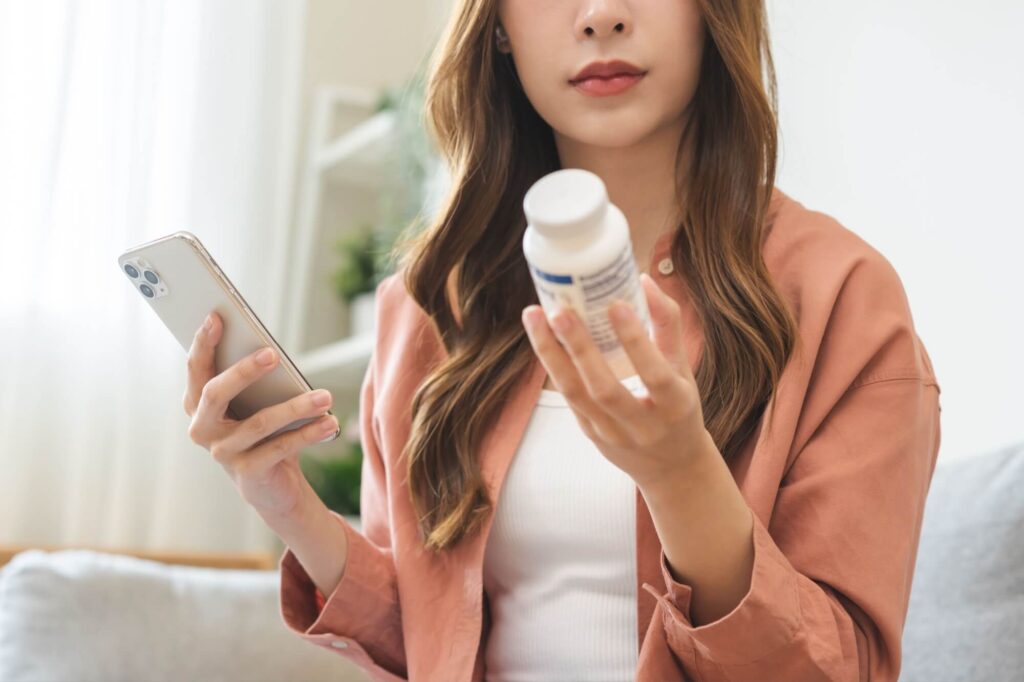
(602, 87)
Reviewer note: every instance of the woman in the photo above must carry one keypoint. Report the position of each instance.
(526, 513)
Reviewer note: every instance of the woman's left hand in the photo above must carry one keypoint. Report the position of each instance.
(648, 437)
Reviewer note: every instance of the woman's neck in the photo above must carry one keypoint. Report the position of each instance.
(640, 178)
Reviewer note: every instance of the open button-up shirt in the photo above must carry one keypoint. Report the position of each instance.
(837, 487)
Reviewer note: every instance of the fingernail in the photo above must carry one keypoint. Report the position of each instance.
(208, 323)
(562, 322)
(329, 427)
(528, 319)
(265, 356)
(620, 312)
(321, 397)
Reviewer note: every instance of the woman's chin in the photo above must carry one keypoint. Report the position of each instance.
(605, 131)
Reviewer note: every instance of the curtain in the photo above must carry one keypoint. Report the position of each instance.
(120, 122)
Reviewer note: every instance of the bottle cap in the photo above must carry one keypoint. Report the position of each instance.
(566, 203)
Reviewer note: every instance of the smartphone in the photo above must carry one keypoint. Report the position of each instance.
(182, 283)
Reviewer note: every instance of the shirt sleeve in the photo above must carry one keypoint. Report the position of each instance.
(361, 619)
(833, 564)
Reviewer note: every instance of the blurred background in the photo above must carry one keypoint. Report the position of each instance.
(286, 135)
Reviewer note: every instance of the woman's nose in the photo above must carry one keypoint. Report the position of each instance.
(600, 19)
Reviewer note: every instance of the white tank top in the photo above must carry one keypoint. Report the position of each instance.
(560, 561)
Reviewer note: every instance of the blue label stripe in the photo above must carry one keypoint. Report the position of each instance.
(557, 279)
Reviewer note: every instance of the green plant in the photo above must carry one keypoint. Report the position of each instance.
(358, 270)
(336, 479)
(366, 259)
(366, 256)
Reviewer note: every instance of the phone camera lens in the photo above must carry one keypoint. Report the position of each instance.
(147, 290)
(130, 269)
(151, 276)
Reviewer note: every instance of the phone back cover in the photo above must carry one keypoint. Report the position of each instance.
(192, 292)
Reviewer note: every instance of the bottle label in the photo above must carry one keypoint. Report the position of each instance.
(590, 294)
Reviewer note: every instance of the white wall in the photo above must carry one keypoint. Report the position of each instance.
(904, 121)
(370, 45)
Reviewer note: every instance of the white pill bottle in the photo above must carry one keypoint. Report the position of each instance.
(578, 247)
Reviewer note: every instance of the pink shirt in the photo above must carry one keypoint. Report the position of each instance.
(837, 488)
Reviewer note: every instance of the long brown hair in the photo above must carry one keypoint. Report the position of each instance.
(496, 146)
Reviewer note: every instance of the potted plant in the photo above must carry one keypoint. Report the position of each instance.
(365, 259)
(335, 479)
(357, 276)
(365, 252)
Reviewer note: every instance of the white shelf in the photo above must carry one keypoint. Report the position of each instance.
(364, 157)
(356, 158)
(340, 366)
(359, 156)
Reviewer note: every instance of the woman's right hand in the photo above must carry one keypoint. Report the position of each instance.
(267, 474)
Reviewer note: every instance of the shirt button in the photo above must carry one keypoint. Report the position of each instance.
(338, 644)
(665, 266)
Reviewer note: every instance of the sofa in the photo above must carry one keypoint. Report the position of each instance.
(83, 616)
(965, 621)
(78, 615)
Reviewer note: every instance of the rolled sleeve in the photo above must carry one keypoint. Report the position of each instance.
(766, 619)
(362, 618)
(830, 584)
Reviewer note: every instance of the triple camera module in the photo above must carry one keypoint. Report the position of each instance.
(145, 277)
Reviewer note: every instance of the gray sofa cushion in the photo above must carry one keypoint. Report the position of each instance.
(91, 616)
(966, 617)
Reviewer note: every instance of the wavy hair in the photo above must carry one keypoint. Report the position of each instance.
(469, 258)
